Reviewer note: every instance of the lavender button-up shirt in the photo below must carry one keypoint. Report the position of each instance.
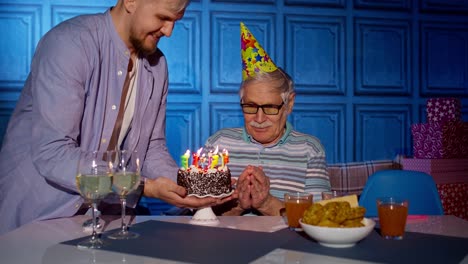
(70, 103)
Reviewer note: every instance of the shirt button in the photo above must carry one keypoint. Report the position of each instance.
(119, 73)
(127, 53)
(114, 107)
(77, 205)
(103, 140)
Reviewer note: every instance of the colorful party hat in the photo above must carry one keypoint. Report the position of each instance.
(254, 57)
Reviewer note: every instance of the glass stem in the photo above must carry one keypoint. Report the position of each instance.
(123, 201)
(93, 217)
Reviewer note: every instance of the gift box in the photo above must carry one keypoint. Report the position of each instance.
(442, 170)
(447, 139)
(443, 109)
(454, 198)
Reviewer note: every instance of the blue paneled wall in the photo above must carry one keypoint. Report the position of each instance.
(363, 69)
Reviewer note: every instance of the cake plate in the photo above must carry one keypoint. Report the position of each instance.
(205, 215)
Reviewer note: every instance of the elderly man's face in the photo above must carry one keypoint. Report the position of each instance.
(266, 129)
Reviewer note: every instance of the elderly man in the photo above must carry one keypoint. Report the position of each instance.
(268, 156)
(97, 82)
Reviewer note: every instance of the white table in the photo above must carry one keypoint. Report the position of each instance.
(38, 242)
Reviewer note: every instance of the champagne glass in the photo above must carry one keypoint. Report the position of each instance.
(94, 181)
(88, 223)
(125, 180)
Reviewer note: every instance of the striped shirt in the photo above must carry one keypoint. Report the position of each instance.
(295, 163)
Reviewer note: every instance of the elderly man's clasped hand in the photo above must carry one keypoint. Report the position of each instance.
(253, 191)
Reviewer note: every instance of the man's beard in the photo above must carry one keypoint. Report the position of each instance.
(140, 49)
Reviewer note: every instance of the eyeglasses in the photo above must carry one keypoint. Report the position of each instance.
(268, 109)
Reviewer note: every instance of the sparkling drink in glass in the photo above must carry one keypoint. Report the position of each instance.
(125, 180)
(94, 182)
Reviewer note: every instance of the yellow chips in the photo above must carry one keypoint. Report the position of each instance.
(334, 214)
(351, 199)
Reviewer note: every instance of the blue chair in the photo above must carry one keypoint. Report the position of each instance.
(418, 187)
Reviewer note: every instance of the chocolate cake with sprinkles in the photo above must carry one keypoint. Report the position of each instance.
(208, 174)
(200, 182)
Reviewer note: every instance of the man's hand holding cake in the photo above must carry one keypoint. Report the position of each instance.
(206, 182)
(167, 190)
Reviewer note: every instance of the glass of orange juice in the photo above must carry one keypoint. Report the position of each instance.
(393, 212)
(295, 204)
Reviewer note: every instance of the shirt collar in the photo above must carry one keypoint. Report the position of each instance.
(118, 42)
(249, 139)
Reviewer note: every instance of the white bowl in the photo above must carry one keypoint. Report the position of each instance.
(339, 237)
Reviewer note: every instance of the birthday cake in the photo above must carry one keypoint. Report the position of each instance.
(206, 176)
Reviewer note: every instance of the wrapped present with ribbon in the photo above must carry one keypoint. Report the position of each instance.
(442, 170)
(443, 109)
(434, 140)
(454, 198)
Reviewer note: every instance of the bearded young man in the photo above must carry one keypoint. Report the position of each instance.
(70, 103)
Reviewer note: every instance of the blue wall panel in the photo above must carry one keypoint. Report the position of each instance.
(444, 5)
(315, 53)
(382, 56)
(183, 128)
(325, 3)
(245, 1)
(225, 115)
(326, 122)
(382, 131)
(17, 46)
(61, 13)
(184, 51)
(384, 4)
(444, 59)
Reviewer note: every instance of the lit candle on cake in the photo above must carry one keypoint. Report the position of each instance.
(210, 159)
(215, 158)
(184, 159)
(196, 157)
(203, 161)
(225, 155)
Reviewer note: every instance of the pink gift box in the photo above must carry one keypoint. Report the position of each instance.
(454, 198)
(443, 109)
(442, 170)
(440, 140)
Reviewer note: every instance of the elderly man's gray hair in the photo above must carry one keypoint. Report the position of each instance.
(280, 80)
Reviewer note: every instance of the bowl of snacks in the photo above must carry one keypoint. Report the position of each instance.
(336, 223)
